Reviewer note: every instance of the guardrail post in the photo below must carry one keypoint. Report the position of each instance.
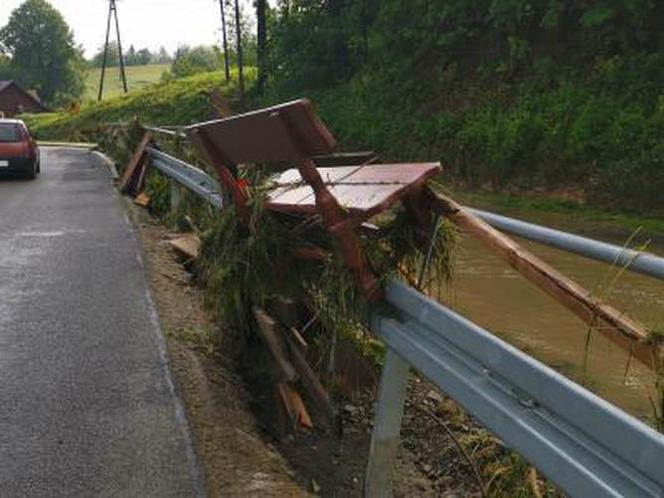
(176, 195)
(387, 427)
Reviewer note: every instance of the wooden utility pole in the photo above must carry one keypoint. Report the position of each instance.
(240, 62)
(227, 67)
(112, 11)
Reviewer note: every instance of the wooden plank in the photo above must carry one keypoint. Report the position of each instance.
(188, 245)
(142, 199)
(314, 386)
(136, 162)
(268, 330)
(397, 173)
(616, 326)
(302, 415)
(362, 191)
(257, 137)
(298, 340)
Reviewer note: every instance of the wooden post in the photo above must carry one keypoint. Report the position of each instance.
(616, 326)
(123, 73)
(387, 427)
(105, 58)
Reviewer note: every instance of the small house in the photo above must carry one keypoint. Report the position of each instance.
(16, 100)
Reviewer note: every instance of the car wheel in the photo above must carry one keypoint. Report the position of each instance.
(32, 172)
(38, 166)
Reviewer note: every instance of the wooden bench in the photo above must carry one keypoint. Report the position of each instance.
(344, 196)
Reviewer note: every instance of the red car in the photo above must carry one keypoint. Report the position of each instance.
(19, 153)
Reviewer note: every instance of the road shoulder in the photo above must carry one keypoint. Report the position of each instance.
(235, 458)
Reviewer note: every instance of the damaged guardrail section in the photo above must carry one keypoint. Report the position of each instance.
(585, 445)
(187, 175)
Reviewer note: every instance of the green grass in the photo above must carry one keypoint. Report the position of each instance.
(178, 102)
(138, 77)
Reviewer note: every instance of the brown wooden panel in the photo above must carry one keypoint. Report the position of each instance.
(286, 132)
(363, 191)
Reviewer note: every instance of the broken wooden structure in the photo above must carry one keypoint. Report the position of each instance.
(344, 191)
(343, 196)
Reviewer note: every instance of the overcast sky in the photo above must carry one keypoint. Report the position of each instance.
(143, 23)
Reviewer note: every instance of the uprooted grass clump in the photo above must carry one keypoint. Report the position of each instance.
(245, 264)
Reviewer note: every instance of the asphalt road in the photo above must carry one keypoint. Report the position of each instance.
(87, 406)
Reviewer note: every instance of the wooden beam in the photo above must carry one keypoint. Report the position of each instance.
(616, 326)
(314, 387)
(268, 330)
(128, 183)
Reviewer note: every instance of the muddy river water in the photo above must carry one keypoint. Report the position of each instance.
(491, 294)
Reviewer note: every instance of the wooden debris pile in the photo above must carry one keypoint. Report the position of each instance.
(322, 232)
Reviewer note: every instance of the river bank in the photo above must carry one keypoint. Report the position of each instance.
(490, 293)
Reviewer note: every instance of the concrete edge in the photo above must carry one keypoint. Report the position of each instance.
(108, 162)
(195, 469)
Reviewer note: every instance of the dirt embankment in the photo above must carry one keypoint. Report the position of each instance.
(236, 459)
(231, 421)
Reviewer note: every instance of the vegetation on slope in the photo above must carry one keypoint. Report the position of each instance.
(524, 93)
(179, 102)
(138, 77)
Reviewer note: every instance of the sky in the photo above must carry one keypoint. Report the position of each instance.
(143, 23)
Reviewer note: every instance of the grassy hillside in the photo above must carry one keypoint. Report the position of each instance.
(178, 102)
(558, 96)
(137, 77)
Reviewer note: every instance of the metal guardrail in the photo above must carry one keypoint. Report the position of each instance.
(585, 445)
(170, 131)
(196, 180)
(637, 261)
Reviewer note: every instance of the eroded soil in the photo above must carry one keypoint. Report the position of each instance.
(232, 422)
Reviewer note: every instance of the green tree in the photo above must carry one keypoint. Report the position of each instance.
(43, 53)
(130, 57)
(112, 56)
(5, 69)
(144, 57)
(189, 61)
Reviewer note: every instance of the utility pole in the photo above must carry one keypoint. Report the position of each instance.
(112, 11)
(240, 63)
(227, 67)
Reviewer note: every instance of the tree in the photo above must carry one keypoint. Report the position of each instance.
(261, 42)
(43, 53)
(162, 57)
(130, 56)
(238, 48)
(5, 69)
(144, 57)
(112, 57)
(189, 61)
(227, 69)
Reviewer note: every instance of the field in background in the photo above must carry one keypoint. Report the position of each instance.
(137, 77)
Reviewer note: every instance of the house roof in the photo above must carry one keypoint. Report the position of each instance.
(4, 84)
